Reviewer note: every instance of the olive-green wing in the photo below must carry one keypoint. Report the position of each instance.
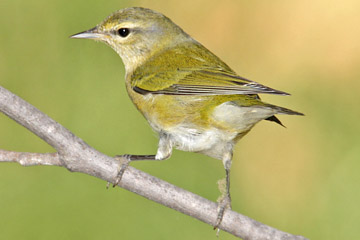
(204, 81)
(192, 70)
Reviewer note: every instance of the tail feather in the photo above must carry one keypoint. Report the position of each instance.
(275, 119)
(281, 110)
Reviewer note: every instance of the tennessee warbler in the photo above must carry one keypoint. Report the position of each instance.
(188, 95)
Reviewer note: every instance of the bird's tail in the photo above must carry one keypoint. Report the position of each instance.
(281, 110)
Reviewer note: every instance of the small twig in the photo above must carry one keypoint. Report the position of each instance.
(30, 159)
(75, 155)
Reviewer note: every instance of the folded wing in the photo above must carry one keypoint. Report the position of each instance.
(199, 81)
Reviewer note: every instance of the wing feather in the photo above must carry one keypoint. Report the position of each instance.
(192, 74)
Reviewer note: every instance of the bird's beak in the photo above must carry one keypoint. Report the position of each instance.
(89, 34)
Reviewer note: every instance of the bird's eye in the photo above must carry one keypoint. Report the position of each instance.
(123, 32)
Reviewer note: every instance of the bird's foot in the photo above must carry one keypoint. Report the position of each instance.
(224, 202)
(124, 163)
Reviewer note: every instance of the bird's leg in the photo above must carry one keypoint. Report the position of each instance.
(224, 201)
(164, 152)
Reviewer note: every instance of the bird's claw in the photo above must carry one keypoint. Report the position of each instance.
(223, 204)
(124, 163)
(224, 201)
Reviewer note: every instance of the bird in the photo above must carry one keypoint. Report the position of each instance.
(188, 95)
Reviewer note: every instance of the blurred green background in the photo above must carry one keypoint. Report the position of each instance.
(303, 179)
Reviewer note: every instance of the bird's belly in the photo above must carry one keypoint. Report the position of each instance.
(195, 124)
(211, 142)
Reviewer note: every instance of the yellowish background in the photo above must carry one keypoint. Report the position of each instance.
(303, 179)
